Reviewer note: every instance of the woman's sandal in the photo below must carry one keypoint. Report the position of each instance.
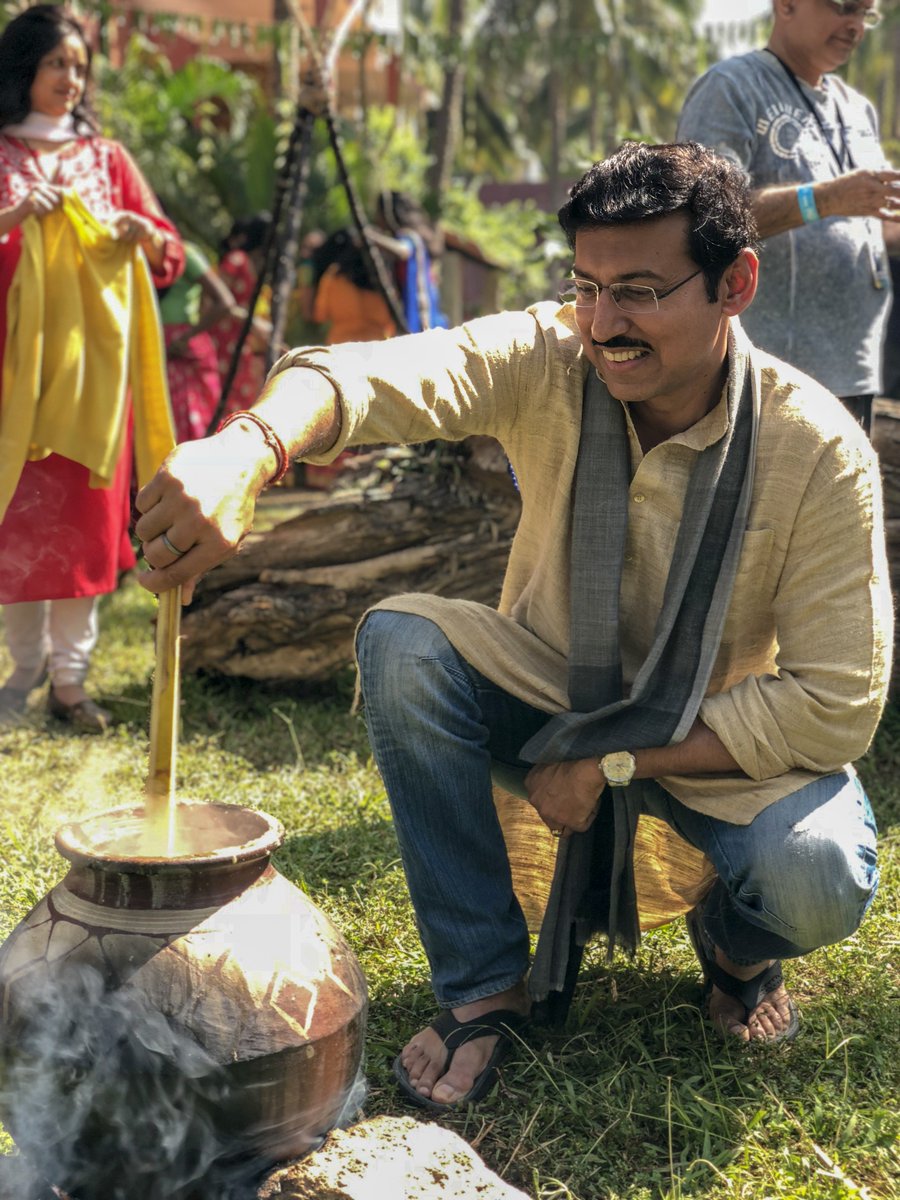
(504, 1022)
(84, 715)
(750, 992)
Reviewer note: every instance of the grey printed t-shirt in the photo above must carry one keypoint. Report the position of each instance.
(818, 306)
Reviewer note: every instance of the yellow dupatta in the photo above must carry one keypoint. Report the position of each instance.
(82, 328)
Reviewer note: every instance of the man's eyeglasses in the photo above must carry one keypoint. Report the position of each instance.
(856, 8)
(630, 297)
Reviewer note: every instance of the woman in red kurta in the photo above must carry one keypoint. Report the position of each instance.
(62, 542)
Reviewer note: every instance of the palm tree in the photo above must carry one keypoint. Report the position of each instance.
(564, 79)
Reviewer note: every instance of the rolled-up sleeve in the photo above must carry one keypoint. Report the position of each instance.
(446, 383)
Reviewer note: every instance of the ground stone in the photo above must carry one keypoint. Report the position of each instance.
(389, 1157)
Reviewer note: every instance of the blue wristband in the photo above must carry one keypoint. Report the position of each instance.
(807, 202)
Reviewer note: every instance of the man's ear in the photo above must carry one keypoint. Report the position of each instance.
(739, 283)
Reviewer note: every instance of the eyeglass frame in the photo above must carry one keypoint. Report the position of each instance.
(612, 288)
(871, 17)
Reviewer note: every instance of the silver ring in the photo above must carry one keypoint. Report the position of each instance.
(172, 549)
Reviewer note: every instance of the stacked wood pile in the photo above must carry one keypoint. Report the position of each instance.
(285, 608)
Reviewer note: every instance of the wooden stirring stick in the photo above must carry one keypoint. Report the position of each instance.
(164, 712)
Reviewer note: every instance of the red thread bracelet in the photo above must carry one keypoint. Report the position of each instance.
(272, 440)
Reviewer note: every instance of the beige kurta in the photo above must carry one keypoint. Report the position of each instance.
(801, 675)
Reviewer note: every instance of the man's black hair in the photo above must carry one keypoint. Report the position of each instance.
(27, 39)
(643, 183)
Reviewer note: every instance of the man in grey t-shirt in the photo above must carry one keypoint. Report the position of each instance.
(822, 188)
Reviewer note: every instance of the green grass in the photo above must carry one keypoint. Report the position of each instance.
(636, 1099)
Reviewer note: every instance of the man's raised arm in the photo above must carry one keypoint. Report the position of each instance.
(200, 504)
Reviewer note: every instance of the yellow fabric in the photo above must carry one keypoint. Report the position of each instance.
(82, 327)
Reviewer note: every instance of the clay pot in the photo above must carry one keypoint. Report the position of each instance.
(165, 1021)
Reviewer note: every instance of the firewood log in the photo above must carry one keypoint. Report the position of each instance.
(285, 608)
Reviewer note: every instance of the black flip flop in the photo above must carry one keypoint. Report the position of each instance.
(454, 1034)
(750, 992)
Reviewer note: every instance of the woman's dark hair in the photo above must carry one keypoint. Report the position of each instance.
(642, 183)
(342, 250)
(24, 42)
(249, 233)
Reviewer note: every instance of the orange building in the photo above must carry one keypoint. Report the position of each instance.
(243, 34)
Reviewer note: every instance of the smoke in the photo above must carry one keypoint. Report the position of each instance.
(108, 1101)
(353, 1105)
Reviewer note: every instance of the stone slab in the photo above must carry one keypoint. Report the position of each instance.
(395, 1157)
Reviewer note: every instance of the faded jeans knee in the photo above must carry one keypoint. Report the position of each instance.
(814, 886)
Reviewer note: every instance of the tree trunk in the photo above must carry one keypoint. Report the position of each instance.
(449, 117)
(286, 607)
(285, 278)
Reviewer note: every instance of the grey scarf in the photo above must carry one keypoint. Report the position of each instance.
(593, 883)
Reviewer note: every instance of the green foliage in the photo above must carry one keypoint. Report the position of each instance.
(636, 1098)
(560, 84)
(520, 237)
(873, 69)
(202, 135)
(381, 154)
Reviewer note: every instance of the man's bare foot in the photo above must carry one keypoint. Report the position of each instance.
(767, 1021)
(424, 1056)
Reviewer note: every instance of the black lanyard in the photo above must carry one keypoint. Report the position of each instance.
(845, 158)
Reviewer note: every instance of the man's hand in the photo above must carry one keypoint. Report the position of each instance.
(566, 795)
(860, 193)
(202, 499)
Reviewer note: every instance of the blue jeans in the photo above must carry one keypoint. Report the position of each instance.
(799, 876)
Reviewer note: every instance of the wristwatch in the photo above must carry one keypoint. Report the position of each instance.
(618, 768)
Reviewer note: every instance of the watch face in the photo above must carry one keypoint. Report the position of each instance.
(618, 767)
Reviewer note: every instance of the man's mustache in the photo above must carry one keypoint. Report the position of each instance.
(621, 343)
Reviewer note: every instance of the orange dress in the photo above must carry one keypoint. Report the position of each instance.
(352, 314)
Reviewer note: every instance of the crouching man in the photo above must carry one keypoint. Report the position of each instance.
(695, 621)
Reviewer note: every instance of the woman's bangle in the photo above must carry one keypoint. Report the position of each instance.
(272, 440)
(807, 201)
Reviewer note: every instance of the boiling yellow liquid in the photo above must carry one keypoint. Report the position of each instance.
(197, 830)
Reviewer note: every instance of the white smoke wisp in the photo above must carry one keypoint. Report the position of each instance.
(108, 1101)
(356, 1098)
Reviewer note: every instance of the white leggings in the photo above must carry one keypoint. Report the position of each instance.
(63, 630)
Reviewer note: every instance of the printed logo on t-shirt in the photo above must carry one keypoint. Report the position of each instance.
(783, 125)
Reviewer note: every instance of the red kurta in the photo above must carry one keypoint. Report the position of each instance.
(60, 537)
